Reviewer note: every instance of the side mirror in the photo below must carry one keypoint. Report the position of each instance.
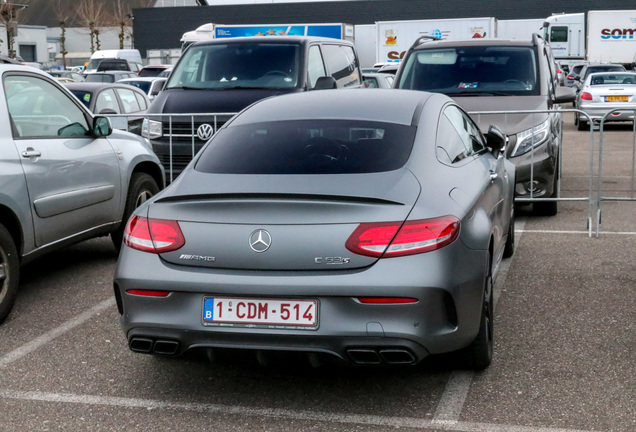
(496, 139)
(102, 127)
(108, 111)
(325, 82)
(564, 94)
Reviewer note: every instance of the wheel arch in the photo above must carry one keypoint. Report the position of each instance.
(151, 169)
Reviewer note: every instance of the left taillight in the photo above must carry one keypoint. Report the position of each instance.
(394, 239)
(153, 235)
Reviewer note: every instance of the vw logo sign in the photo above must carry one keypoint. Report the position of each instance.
(205, 132)
(260, 240)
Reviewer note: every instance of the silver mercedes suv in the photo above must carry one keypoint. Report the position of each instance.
(501, 75)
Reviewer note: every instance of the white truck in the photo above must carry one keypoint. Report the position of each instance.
(519, 28)
(394, 38)
(605, 36)
(214, 31)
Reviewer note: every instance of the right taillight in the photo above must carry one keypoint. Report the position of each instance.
(393, 239)
(153, 235)
(586, 96)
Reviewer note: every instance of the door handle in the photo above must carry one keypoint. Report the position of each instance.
(493, 176)
(31, 152)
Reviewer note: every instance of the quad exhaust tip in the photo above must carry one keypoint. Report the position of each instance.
(391, 356)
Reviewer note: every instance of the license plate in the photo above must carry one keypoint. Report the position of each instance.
(267, 313)
(616, 98)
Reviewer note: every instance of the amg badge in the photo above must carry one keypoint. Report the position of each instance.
(197, 258)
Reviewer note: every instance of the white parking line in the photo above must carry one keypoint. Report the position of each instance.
(356, 419)
(452, 401)
(56, 332)
(575, 232)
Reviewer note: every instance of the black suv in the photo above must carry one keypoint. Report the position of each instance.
(501, 75)
(224, 76)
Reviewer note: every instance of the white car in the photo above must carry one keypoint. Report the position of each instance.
(605, 92)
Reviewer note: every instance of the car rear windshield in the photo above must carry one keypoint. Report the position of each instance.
(141, 85)
(476, 70)
(151, 71)
(308, 147)
(612, 78)
(238, 65)
(595, 69)
(98, 77)
(83, 96)
(113, 65)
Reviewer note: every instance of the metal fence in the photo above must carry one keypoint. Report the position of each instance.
(594, 194)
(182, 135)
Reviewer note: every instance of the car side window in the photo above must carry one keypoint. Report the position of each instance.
(315, 65)
(107, 101)
(141, 101)
(458, 138)
(341, 63)
(40, 109)
(551, 69)
(128, 100)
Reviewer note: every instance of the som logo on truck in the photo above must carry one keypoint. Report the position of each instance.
(618, 33)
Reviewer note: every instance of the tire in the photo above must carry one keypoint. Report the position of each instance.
(478, 355)
(9, 273)
(548, 208)
(142, 187)
(583, 125)
(576, 119)
(509, 248)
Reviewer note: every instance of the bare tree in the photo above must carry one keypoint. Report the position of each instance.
(64, 12)
(92, 14)
(9, 17)
(122, 16)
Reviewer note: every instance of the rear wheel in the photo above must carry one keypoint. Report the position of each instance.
(509, 248)
(582, 125)
(478, 355)
(9, 273)
(142, 188)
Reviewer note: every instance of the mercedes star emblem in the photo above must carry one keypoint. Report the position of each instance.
(260, 240)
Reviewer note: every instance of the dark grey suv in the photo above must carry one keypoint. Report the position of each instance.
(501, 75)
(226, 75)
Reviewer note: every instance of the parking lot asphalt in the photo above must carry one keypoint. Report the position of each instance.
(565, 350)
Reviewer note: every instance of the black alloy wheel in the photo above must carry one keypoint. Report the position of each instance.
(9, 273)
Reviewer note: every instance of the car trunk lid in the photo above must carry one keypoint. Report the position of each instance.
(261, 223)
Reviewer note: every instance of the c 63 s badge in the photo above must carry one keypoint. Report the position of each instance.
(332, 260)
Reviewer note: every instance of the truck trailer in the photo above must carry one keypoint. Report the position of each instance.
(211, 31)
(394, 38)
(603, 36)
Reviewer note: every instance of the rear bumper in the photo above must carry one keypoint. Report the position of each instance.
(596, 113)
(445, 318)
